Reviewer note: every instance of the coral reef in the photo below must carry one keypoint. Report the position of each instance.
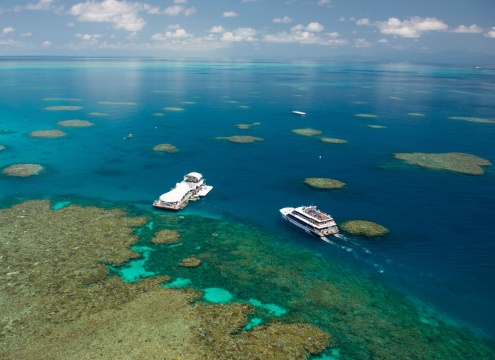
(240, 139)
(333, 140)
(63, 108)
(127, 103)
(473, 119)
(307, 132)
(165, 148)
(63, 306)
(75, 123)
(158, 114)
(247, 126)
(191, 262)
(2, 147)
(23, 170)
(453, 161)
(167, 237)
(173, 108)
(98, 114)
(61, 99)
(47, 134)
(324, 183)
(377, 126)
(271, 341)
(366, 115)
(416, 114)
(363, 227)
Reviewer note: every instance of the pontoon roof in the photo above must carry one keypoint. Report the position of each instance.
(197, 175)
(176, 194)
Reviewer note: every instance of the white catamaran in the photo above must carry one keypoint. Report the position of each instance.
(311, 220)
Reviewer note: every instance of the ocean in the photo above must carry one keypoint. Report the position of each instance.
(439, 253)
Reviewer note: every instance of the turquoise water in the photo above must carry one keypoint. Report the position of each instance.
(440, 250)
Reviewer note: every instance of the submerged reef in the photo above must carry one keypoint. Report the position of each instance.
(363, 227)
(58, 301)
(240, 139)
(371, 116)
(324, 183)
(247, 126)
(165, 148)
(23, 170)
(98, 114)
(453, 161)
(307, 132)
(333, 140)
(2, 147)
(365, 319)
(473, 119)
(167, 237)
(47, 134)
(63, 108)
(75, 123)
(191, 262)
(377, 126)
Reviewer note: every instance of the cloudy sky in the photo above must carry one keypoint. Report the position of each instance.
(257, 28)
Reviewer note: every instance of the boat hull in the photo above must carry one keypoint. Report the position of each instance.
(305, 228)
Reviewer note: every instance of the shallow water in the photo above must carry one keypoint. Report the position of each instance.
(440, 250)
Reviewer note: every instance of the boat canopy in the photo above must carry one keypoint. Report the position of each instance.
(176, 194)
(197, 176)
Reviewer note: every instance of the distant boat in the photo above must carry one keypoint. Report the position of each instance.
(311, 220)
(297, 112)
(191, 188)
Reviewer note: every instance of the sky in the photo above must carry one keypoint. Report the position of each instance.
(244, 28)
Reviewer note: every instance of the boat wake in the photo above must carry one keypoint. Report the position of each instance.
(358, 250)
(327, 240)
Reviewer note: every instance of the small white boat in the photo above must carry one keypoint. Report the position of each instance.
(297, 112)
(191, 188)
(311, 220)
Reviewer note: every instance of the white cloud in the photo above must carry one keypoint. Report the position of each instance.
(122, 14)
(8, 30)
(302, 36)
(491, 33)
(312, 27)
(40, 5)
(190, 11)
(363, 21)
(177, 33)
(230, 14)
(412, 28)
(217, 29)
(180, 1)
(383, 41)
(240, 34)
(473, 29)
(324, 3)
(360, 43)
(284, 20)
(89, 37)
(26, 34)
(175, 10)
(47, 43)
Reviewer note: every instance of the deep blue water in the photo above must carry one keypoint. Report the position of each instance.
(441, 246)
